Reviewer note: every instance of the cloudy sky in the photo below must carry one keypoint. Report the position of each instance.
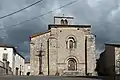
(102, 14)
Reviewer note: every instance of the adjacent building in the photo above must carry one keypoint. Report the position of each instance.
(27, 68)
(8, 53)
(15, 61)
(19, 64)
(65, 49)
(109, 61)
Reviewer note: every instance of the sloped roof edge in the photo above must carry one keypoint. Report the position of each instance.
(39, 33)
(9, 46)
(113, 44)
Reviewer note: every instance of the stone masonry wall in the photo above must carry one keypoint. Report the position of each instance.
(91, 61)
(34, 51)
(59, 54)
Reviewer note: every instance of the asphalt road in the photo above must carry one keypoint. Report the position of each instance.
(44, 78)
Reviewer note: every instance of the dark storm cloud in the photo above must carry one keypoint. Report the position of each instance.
(1, 40)
(19, 35)
(99, 14)
(102, 14)
(23, 32)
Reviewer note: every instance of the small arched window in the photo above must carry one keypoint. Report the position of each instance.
(71, 43)
(62, 21)
(66, 22)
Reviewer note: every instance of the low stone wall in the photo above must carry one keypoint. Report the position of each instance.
(4, 71)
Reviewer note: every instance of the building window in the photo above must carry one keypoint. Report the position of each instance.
(71, 43)
(62, 21)
(16, 71)
(5, 56)
(66, 22)
(72, 65)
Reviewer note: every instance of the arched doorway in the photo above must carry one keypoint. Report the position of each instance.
(28, 73)
(72, 64)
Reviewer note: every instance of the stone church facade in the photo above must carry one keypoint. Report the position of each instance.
(65, 49)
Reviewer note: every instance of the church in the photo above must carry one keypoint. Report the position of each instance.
(65, 49)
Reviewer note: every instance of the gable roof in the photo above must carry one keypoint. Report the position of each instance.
(39, 33)
(14, 49)
(6, 45)
(57, 25)
(20, 55)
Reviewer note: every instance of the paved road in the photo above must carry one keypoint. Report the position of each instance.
(44, 78)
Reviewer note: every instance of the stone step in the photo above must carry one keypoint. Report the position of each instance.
(72, 74)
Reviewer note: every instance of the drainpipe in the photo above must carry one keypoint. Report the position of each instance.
(86, 55)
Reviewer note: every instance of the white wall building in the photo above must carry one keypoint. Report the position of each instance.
(8, 52)
(15, 59)
(19, 64)
(27, 68)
